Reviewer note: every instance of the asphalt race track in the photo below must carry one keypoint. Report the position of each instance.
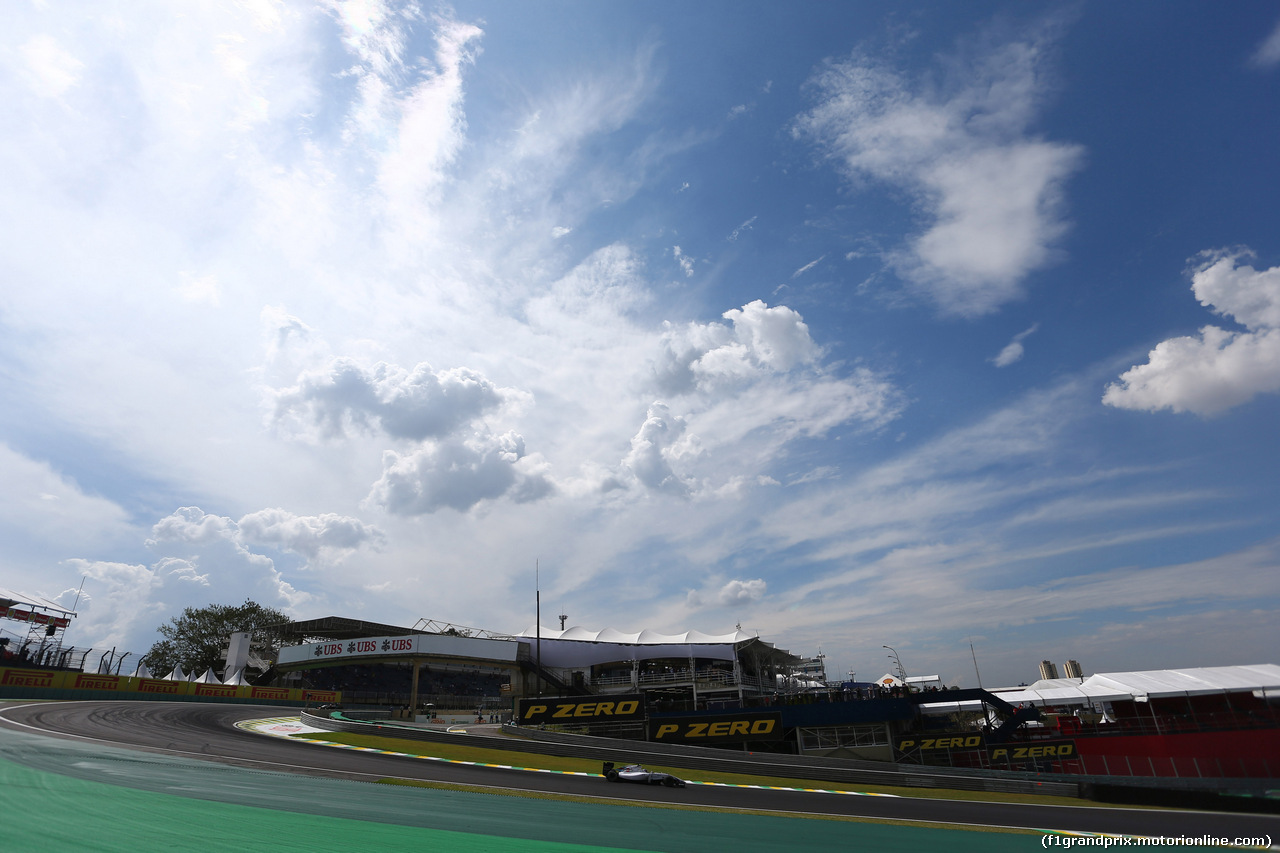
(207, 733)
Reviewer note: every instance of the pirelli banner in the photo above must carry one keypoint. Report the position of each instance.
(30, 683)
(562, 710)
(721, 728)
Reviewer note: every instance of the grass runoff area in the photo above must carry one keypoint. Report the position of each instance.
(583, 765)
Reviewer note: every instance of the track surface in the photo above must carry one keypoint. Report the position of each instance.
(207, 732)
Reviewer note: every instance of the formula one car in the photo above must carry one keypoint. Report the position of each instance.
(636, 773)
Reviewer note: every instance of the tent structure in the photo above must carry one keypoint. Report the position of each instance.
(237, 678)
(142, 671)
(177, 675)
(1145, 685)
(208, 678)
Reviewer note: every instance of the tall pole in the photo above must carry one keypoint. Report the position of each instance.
(902, 672)
(537, 611)
(975, 664)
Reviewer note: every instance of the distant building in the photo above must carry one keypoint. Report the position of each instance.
(812, 669)
(1073, 669)
(1048, 670)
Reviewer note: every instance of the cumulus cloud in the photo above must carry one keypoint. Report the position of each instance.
(992, 191)
(311, 536)
(459, 474)
(412, 404)
(661, 439)
(735, 593)
(761, 340)
(120, 599)
(193, 525)
(1218, 369)
(1014, 350)
(753, 385)
(183, 570)
(738, 592)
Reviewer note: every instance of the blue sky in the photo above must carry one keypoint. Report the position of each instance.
(855, 324)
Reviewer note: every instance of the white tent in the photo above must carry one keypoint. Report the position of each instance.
(237, 678)
(1147, 684)
(142, 671)
(208, 678)
(177, 675)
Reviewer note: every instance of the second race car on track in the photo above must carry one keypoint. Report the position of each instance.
(636, 773)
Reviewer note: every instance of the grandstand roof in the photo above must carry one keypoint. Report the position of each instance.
(10, 598)
(638, 638)
(335, 628)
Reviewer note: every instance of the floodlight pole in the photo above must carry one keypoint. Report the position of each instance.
(898, 660)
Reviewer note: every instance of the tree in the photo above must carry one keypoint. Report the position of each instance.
(197, 640)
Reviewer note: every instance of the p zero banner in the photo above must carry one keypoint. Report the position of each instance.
(726, 728)
(580, 709)
(1044, 750)
(917, 746)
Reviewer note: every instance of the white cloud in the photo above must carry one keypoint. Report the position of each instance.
(746, 390)
(685, 262)
(412, 404)
(41, 505)
(183, 570)
(314, 536)
(993, 192)
(120, 602)
(739, 592)
(660, 440)
(1014, 350)
(458, 474)
(745, 226)
(1219, 369)
(192, 525)
(762, 340)
(49, 69)
(1268, 53)
(734, 593)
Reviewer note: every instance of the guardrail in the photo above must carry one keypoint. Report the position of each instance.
(839, 770)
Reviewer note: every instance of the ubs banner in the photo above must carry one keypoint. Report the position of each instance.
(721, 728)
(580, 709)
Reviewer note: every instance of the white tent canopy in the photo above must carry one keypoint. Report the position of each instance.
(1149, 684)
(142, 671)
(237, 678)
(639, 638)
(208, 678)
(177, 675)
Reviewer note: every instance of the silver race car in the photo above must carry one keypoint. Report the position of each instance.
(636, 773)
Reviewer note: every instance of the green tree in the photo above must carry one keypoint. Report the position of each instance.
(197, 640)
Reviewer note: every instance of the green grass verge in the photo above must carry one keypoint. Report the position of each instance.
(640, 804)
(582, 765)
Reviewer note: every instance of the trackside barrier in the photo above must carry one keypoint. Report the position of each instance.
(843, 771)
(55, 684)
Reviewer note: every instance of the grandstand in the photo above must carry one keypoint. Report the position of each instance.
(436, 662)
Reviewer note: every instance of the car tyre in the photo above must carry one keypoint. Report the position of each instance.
(612, 775)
